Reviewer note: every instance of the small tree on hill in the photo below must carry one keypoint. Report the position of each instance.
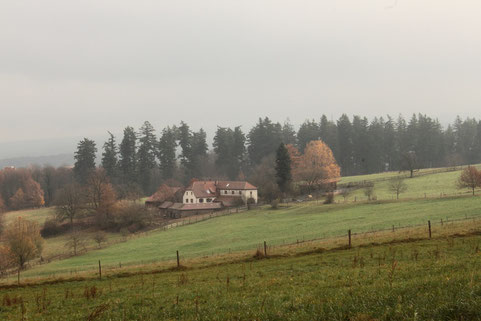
(70, 202)
(76, 241)
(410, 162)
(23, 242)
(470, 178)
(100, 237)
(397, 186)
(369, 192)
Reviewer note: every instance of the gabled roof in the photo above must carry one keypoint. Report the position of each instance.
(203, 188)
(238, 185)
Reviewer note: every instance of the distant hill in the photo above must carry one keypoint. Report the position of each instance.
(53, 160)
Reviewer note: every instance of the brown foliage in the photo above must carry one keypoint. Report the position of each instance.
(100, 193)
(31, 195)
(317, 164)
(70, 202)
(3, 208)
(164, 193)
(470, 178)
(23, 241)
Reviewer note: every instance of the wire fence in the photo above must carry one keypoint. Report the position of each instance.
(350, 239)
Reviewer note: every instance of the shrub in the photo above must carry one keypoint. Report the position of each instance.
(329, 198)
(275, 204)
(52, 227)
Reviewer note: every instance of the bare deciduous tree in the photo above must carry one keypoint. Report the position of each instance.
(369, 191)
(70, 202)
(410, 162)
(76, 241)
(100, 237)
(470, 178)
(397, 186)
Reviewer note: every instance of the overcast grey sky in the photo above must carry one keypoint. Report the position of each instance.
(80, 68)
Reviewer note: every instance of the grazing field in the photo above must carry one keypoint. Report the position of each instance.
(438, 279)
(54, 246)
(245, 231)
(420, 186)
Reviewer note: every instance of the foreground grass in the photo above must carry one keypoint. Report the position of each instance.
(248, 230)
(424, 280)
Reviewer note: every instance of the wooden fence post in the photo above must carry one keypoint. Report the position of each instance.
(429, 226)
(178, 260)
(265, 248)
(100, 270)
(349, 234)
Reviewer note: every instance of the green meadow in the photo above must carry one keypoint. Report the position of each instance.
(247, 230)
(439, 279)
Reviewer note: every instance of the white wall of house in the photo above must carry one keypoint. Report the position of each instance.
(189, 198)
(245, 194)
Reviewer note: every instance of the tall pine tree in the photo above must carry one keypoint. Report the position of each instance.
(146, 161)
(128, 156)
(283, 169)
(110, 158)
(84, 160)
(166, 152)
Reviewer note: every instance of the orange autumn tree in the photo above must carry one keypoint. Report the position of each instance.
(316, 165)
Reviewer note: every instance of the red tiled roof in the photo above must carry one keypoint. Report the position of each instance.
(166, 205)
(239, 185)
(163, 193)
(203, 188)
(209, 188)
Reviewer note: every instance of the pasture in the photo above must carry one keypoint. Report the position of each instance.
(438, 279)
(245, 231)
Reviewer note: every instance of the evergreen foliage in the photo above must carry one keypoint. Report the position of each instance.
(110, 157)
(128, 156)
(283, 168)
(84, 160)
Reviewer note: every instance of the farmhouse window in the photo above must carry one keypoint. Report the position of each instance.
(233, 192)
(201, 200)
(240, 192)
(225, 192)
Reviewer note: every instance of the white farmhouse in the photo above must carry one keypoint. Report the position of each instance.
(226, 192)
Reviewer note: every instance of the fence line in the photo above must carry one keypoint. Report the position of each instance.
(267, 246)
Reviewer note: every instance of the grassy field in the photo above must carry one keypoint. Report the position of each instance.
(432, 185)
(424, 280)
(247, 230)
(55, 246)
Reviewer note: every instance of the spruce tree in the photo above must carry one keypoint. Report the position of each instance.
(166, 152)
(110, 157)
(146, 157)
(283, 168)
(84, 160)
(128, 156)
(263, 139)
(308, 132)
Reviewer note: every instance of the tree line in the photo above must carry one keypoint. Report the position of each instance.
(139, 161)
(360, 146)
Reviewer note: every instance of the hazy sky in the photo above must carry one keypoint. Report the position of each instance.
(79, 68)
